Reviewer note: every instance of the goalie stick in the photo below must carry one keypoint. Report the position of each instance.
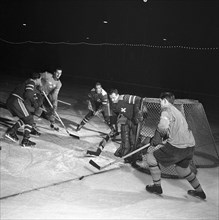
(116, 161)
(60, 120)
(106, 139)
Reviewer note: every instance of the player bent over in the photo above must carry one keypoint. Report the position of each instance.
(51, 85)
(22, 103)
(178, 149)
(130, 107)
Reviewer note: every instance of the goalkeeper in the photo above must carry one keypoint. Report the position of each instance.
(130, 107)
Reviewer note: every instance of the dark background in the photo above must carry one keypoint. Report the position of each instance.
(189, 70)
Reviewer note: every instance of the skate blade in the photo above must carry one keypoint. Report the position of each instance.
(9, 138)
(195, 197)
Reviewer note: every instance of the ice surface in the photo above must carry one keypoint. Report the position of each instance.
(57, 163)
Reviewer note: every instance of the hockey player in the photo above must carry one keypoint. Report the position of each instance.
(22, 103)
(98, 102)
(129, 107)
(178, 148)
(51, 85)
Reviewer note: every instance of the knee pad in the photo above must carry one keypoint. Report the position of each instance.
(182, 172)
(151, 160)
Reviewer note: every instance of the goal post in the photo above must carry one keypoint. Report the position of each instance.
(206, 151)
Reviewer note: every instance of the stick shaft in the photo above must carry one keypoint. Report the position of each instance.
(66, 103)
(128, 155)
(57, 115)
(55, 111)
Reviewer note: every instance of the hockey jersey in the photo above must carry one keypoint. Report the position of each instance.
(174, 123)
(101, 98)
(27, 93)
(51, 87)
(127, 105)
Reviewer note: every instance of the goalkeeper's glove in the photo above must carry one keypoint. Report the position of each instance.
(139, 117)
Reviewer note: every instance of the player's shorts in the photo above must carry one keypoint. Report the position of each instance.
(17, 108)
(169, 155)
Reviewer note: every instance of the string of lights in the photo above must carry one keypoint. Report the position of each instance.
(112, 44)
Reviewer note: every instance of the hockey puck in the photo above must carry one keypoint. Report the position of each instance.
(82, 177)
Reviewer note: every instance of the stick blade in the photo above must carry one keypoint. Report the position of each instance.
(75, 136)
(94, 164)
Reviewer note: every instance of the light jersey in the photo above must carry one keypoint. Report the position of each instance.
(179, 134)
(50, 86)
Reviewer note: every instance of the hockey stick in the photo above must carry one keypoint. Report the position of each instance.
(109, 164)
(139, 125)
(44, 110)
(104, 140)
(66, 103)
(54, 184)
(60, 120)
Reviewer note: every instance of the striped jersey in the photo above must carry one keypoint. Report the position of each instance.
(27, 92)
(126, 105)
(101, 98)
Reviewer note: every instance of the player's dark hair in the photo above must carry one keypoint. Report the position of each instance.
(169, 96)
(113, 91)
(35, 75)
(98, 84)
(56, 69)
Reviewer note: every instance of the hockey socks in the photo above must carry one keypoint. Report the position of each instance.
(155, 174)
(192, 179)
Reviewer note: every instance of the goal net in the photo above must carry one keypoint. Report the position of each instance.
(206, 152)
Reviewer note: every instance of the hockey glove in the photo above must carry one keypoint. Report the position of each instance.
(139, 117)
(90, 107)
(156, 139)
(98, 112)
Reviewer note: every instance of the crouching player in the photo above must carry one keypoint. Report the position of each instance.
(51, 86)
(178, 149)
(130, 107)
(22, 103)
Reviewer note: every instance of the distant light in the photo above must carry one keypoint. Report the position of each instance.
(164, 39)
(24, 24)
(87, 38)
(105, 22)
(145, 0)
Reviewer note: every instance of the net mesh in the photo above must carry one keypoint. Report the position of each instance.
(206, 152)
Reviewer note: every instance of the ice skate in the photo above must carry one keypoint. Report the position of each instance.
(156, 189)
(12, 136)
(35, 132)
(78, 127)
(93, 153)
(27, 143)
(198, 194)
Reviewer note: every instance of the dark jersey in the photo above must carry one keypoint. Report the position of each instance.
(27, 92)
(127, 105)
(100, 98)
